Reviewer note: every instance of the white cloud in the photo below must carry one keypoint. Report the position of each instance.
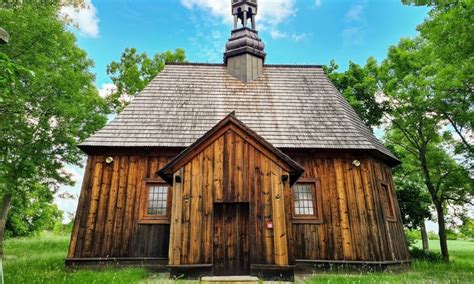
(299, 37)
(107, 89)
(85, 19)
(353, 35)
(276, 34)
(317, 3)
(271, 13)
(355, 13)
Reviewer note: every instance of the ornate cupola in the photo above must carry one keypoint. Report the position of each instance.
(244, 52)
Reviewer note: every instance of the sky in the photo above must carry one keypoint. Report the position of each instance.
(294, 32)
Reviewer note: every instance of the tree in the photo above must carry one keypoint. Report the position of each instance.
(32, 212)
(359, 85)
(416, 129)
(135, 71)
(450, 33)
(48, 105)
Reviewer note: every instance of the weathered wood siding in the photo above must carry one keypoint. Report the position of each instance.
(107, 217)
(231, 170)
(354, 226)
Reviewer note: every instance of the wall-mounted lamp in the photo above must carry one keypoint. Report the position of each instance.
(109, 160)
(177, 179)
(284, 178)
(356, 163)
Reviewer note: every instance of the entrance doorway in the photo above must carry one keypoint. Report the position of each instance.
(231, 240)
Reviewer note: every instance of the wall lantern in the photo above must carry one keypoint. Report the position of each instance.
(109, 160)
(356, 163)
(284, 178)
(177, 179)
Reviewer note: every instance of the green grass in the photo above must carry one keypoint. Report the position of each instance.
(459, 270)
(41, 260)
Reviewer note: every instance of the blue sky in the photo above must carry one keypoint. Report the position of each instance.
(294, 31)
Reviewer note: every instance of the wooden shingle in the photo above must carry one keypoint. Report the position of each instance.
(290, 106)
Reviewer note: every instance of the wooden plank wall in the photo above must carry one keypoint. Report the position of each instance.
(355, 226)
(106, 223)
(231, 170)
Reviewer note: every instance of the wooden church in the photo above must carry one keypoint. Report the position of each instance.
(241, 168)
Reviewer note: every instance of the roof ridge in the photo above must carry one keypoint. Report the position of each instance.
(265, 65)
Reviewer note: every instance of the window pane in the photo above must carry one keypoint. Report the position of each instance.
(304, 197)
(157, 200)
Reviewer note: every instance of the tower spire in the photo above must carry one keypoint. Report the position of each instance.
(244, 54)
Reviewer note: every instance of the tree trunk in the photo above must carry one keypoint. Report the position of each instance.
(424, 237)
(438, 204)
(6, 202)
(443, 243)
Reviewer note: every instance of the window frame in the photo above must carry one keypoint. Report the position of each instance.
(146, 218)
(317, 217)
(390, 212)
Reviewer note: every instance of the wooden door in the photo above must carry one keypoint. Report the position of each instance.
(231, 241)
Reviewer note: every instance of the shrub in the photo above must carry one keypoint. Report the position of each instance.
(412, 236)
(419, 254)
(433, 236)
(451, 235)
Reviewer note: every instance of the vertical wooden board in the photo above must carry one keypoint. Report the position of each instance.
(196, 210)
(380, 176)
(219, 242)
(230, 224)
(338, 252)
(320, 232)
(244, 240)
(245, 173)
(381, 224)
(229, 166)
(91, 218)
(174, 253)
(252, 202)
(278, 206)
(120, 206)
(371, 212)
(104, 192)
(152, 167)
(343, 210)
(364, 237)
(288, 221)
(139, 194)
(401, 246)
(259, 216)
(80, 209)
(218, 167)
(109, 223)
(238, 169)
(207, 204)
(267, 211)
(129, 203)
(354, 220)
(326, 209)
(186, 211)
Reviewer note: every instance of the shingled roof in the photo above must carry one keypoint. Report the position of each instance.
(291, 106)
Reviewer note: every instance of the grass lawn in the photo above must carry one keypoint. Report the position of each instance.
(41, 260)
(459, 270)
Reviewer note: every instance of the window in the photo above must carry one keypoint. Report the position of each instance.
(387, 201)
(156, 203)
(307, 201)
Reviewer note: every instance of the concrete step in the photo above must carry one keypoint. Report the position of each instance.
(238, 279)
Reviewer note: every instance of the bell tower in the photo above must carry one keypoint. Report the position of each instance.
(244, 54)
